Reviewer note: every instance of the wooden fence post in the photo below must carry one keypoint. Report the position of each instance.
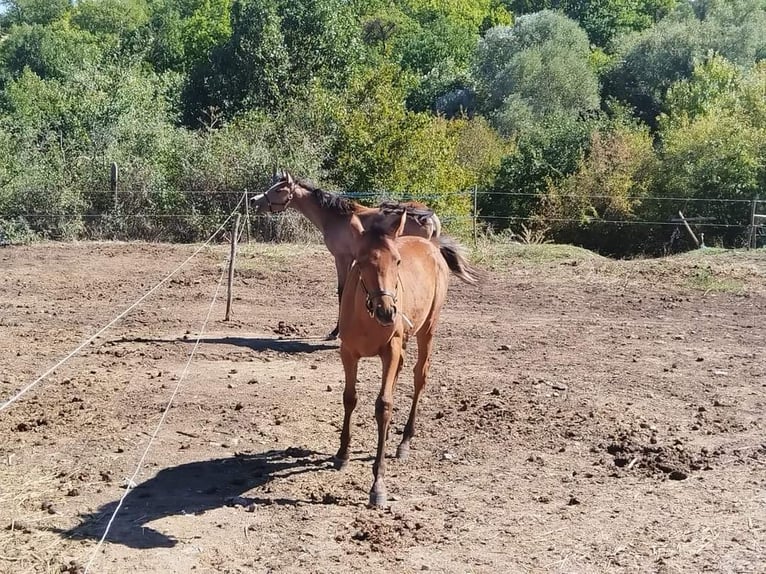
(114, 175)
(232, 252)
(247, 217)
(475, 214)
(752, 243)
(689, 229)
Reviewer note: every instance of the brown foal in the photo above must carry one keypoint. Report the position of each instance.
(394, 290)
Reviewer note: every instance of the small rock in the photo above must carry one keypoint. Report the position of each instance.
(560, 386)
(495, 392)
(505, 347)
(573, 501)
(678, 475)
(329, 389)
(313, 367)
(448, 455)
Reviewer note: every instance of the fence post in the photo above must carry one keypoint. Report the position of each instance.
(752, 243)
(475, 214)
(114, 174)
(688, 228)
(232, 252)
(247, 218)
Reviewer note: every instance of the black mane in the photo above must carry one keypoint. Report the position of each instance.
(327, 200)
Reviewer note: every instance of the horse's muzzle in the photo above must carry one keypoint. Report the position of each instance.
(385, 315)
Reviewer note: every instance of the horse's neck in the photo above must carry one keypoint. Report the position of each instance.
(310, 208)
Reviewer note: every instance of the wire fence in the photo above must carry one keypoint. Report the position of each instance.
(714, 214)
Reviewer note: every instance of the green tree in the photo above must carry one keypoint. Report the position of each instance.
(50, 51)
(538, 67)
(381, 147)
(277, 48)
(110, 17)
(713, 144)
(603, 20)
(32, 11)
(649, 63)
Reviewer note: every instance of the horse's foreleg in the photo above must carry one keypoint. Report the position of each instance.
(350, 363)
(425, 344)
(384, 407)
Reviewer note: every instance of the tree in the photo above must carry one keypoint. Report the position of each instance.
(713, 143)
(277, 48)
(536, 68)
(381, 147)
(33, 11)
(603, 20)
(50, 51)
(649, 63)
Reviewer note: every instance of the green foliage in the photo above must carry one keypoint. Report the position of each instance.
(32, 11)
(433, 40)
(610, 185)
(649, 63)
(383, 148)
(50, 51)
(110, 17)
(603, 20)
(538, 67)
(714, 143)
(543, 157)
(276, 49)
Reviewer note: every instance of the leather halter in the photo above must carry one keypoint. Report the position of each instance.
(369, 304)
(276, 203)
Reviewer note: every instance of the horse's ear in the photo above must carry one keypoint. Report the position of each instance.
(288, 177)
(402, 222)
(357, 230)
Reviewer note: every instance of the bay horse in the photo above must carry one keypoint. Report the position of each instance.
(395, 289)
(332, 214)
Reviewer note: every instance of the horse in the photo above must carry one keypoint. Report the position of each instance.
(332, 214)
(395, 290)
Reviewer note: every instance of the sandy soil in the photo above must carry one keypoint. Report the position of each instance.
(583, 415)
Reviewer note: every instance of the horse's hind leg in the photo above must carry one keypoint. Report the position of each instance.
(350, 364)
(425, 344)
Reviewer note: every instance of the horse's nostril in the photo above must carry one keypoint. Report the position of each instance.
(385, 315)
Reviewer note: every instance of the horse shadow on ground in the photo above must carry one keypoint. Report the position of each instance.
(253, 343)
(193, 489)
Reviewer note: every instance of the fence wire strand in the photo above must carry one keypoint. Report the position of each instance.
(93, 337)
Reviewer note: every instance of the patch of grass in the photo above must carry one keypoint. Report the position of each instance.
(705, 279)
(261, 256)
(498, 255)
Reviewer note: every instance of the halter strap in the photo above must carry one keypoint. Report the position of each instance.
(276, 203)
(377, 295)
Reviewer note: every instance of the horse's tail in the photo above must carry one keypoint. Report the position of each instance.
(451, 251)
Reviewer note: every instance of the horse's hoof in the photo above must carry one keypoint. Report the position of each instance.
(332, 336)
(378, 499)
(340, 463)
(403, 452)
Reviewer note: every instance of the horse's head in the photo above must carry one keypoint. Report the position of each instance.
(278, 196)
(378, 259)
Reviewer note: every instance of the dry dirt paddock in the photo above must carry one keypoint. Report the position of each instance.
(583, 416)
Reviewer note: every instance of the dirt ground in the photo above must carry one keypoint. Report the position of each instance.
(583, 416)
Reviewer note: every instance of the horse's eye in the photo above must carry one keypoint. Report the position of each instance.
(398, 261)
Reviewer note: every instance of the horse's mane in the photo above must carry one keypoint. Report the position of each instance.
(327, 200)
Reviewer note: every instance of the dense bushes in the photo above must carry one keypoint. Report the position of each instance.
(576, 120)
